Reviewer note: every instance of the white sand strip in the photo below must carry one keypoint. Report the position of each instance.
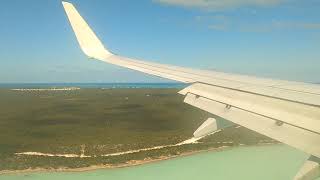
(188, 141)
(51, 155)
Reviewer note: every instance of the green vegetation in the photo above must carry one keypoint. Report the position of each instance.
(104, 121)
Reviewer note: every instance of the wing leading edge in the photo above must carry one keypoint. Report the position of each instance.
(286, 111)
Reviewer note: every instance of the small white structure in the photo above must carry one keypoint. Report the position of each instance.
(309, 171)
(208, 127)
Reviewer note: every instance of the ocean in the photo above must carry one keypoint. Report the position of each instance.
(92, 85)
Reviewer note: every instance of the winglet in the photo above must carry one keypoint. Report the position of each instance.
(89, 42)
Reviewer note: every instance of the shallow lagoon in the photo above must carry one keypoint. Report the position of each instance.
(276, 162)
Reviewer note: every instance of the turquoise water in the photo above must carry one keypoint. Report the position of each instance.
(276, 162)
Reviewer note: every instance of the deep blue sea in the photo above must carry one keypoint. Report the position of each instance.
(93, 85)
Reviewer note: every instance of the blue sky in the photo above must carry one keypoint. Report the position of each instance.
(269, 38)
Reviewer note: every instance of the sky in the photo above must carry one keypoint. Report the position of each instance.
(277, 39)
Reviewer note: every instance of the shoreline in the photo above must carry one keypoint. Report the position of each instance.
(130, 163)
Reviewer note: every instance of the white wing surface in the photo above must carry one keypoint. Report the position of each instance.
(286, 111)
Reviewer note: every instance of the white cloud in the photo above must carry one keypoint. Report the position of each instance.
(219, 4)
(296, 25)
(218, 27)
(214, 22)
(224, 23)
(279, 25)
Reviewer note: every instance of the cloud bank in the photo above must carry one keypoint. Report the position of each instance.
(219, 4)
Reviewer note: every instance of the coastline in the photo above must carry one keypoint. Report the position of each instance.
(130, 163)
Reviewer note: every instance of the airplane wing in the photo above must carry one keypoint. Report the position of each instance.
(283, 110)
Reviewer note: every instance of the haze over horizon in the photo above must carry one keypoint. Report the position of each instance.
(276, 39)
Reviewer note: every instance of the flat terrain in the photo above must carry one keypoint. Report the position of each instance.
(101, 121)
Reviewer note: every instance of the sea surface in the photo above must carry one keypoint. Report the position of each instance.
(93, 85)
(272, 162)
